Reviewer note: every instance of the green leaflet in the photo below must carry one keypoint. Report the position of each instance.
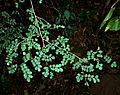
(12, 69)
(113, 24)
(107, 17)
(67, 14)
(27, 57)
(46, 72)
(99, 66)
(36, 62)
(113, 65)
(79, 77)
(107, 59)
(27, 73)
(40, 1)
(21, 1)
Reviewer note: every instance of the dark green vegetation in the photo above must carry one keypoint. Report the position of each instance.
(59, 47)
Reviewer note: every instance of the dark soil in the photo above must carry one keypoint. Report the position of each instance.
(86, 36)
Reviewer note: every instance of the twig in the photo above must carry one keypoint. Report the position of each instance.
(115, 3)
(37, 23)
(41, 33)
(64, 50)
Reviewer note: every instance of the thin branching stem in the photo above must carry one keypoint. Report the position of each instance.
(64, 50)
(36, 21)
(41, 33)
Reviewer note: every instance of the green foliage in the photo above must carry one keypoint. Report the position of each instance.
(114, 64)
(46, 72)
(36, 39)
(67, 18)
(21, 1)
(9, 30)
(26, 72)
(88, 77)
(11, 51)
(113, 23)
(18, 3)
(91, 78)
(99, 66)
(87, 68)
(36, 63)
(12, 69)
(40, 1)
(30, 42)
(107, 17)
(79, 77)
(107, 58)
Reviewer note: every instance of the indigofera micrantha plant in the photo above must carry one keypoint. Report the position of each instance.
(46, 51)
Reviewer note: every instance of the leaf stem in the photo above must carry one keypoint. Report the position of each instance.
(40, 33)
